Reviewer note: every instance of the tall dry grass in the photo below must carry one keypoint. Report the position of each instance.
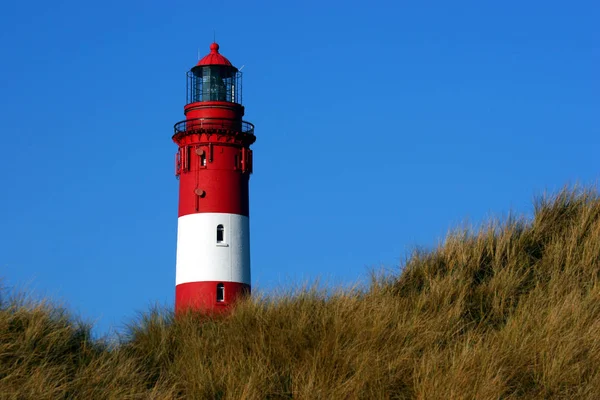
(510, 310)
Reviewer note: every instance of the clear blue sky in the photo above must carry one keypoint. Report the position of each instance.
(380, 126)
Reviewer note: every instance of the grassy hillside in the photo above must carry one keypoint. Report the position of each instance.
(509, 311)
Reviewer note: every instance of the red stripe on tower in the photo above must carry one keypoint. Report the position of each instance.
(213, 163)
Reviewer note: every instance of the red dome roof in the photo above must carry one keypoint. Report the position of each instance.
(214, 58)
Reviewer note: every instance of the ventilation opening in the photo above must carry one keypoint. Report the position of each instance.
(220, 234)
(220, 292)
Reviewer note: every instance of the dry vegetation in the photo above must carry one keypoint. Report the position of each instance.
(509, 311)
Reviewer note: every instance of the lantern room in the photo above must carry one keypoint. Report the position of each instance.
(214, 79)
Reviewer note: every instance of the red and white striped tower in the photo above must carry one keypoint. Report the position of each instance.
(214, 163)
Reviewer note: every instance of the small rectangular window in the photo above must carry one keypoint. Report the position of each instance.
(202, 154)
(186, 158)
(177, 163)
(220, 234)
(220, 292)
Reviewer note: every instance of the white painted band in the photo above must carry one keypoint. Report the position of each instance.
(200, 257)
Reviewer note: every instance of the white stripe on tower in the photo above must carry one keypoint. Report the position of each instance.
(213, 247)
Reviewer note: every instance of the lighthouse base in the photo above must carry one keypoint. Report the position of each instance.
(208, 296)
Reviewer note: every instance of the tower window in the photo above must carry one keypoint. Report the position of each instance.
(220, 292)
(220, 234)
(200, 151)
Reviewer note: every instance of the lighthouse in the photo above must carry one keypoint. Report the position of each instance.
(213, 164)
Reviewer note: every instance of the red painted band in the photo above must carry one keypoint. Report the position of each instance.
(213, 109)
(203, 296)
(220, 173)
(221, 192)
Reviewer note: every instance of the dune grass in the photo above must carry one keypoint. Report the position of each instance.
(510, 310)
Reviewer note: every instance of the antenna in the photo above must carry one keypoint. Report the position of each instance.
(198, 54)
(242, 67)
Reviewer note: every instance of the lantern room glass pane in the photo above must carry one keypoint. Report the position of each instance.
(214, 83)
